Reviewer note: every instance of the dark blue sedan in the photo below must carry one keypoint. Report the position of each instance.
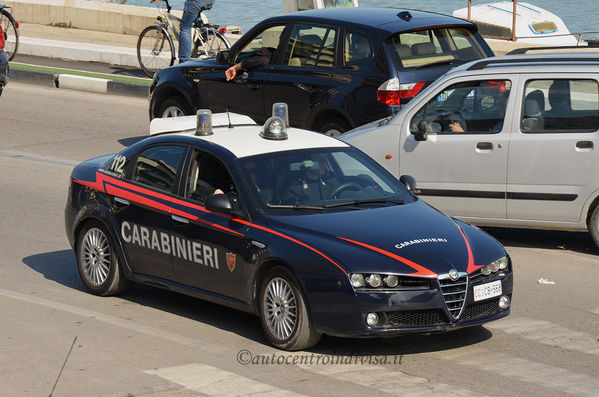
(297, 227)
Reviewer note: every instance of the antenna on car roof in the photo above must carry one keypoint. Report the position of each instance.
(229, 117)
(405, 15)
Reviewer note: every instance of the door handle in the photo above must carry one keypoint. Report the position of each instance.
(121, 200)
(484, 146)
(588, 145)
(254, 86)
(180, 219)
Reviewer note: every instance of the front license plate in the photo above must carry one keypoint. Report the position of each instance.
(487, 291)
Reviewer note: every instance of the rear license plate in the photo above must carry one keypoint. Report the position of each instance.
(487, 291)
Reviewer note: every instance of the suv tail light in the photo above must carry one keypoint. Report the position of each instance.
(392, 91)
(1, 38)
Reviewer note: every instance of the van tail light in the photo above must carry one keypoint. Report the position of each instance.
(1, 38)
(392, 91)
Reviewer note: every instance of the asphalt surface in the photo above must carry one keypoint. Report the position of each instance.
(150, 342)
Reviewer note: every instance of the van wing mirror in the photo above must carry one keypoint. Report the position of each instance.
(421, 134)
(223, 57)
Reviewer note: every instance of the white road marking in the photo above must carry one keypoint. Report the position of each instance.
(119, 322)
(540, 374)
(37, 158)
(389, 381)
(547, 333)
(216, 382)
(596, 311)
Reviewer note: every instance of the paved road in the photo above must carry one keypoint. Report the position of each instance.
(150, 342)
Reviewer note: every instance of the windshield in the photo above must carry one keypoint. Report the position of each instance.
(434, 47)
(319, 179)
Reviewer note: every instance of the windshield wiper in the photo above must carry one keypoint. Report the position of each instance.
(367, 201)
(296, 207)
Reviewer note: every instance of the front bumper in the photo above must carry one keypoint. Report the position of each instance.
(412, 311)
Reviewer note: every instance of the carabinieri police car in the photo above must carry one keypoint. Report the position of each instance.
(300, 228)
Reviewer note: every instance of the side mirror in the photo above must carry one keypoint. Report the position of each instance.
(218, 203)
(223, 57)
(408, 181)
(422, 133)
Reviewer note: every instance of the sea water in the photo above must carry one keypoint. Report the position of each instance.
(246, 13)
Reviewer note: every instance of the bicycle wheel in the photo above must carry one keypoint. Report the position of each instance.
(11, 34)
(208, 44)
(154, 50)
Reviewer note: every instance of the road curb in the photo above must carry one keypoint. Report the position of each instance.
(79, 83)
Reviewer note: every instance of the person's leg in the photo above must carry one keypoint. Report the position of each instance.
(191, 10)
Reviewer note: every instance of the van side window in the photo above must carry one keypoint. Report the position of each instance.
(560, 105)
(473, 107)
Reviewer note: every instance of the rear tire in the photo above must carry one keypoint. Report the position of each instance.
(333, 127)
(97, 261)
(174, 106)
(154, 50)
(11, 34)
(283, 312)
(594, 225)
(212, 42)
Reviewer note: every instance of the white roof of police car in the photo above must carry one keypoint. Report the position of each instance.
(243, 139)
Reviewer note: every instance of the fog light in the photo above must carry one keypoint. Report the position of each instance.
(372, 319)
(391, 281)
(504, 302)
(374, 280)
(356, 280)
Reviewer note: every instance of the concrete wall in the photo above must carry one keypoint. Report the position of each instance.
(84, 14)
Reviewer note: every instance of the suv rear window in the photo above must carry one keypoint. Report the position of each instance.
(436, 46)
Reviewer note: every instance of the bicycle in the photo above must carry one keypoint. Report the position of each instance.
(10, 27)
(155, 48)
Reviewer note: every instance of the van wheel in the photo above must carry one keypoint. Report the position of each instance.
(283, 312)
(333, 127)
(97, 261)
(174, 107)
(594, 225)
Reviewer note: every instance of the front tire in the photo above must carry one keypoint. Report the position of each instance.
(97, 261)
(283, 312)
(155, 50)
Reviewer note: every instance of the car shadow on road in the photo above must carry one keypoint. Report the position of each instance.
(61, 267)
(547, 239)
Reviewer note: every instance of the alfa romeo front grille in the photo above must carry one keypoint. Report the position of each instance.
(454, 292)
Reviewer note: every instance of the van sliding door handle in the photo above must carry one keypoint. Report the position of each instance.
(584, 145)
(484, 146)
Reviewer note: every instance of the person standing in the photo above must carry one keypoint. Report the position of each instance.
(191, 11)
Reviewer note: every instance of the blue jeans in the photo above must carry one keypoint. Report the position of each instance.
(191, 10)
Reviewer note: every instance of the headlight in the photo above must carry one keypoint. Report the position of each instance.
(356, 280)
(495, 266)
(376, 281)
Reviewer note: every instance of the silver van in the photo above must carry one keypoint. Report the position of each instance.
(505, 141)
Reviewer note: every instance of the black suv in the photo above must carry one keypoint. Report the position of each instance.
(335, 68)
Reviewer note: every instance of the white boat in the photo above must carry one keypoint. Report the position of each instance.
(533, 25)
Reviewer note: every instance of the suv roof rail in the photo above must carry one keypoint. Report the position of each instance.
(524, 50)
(483, 63)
